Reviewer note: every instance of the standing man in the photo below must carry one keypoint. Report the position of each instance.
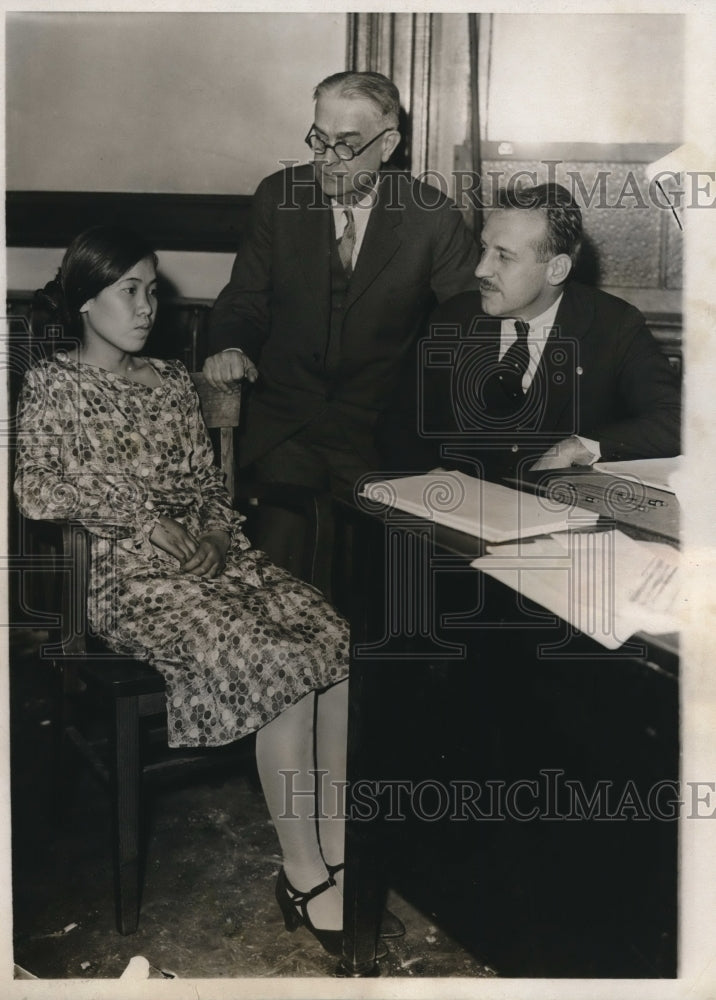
(535, 371)
(340, 269)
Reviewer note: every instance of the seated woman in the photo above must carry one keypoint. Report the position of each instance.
(116, 441)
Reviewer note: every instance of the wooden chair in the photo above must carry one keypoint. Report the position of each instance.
(127, 759)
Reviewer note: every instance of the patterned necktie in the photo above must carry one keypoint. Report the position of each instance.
(347, 242)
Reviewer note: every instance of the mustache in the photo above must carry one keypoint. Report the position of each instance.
(486, 286)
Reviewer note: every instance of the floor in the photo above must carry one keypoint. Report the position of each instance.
(208, 908)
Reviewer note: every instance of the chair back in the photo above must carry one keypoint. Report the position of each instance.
(75, 562)
(221, 410)
(77, 638)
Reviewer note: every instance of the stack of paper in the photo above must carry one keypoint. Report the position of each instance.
(606, 584)
(486, 510)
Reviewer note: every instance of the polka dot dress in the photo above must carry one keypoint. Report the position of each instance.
(115, 454)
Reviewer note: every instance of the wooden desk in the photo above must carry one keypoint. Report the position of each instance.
(457, 684)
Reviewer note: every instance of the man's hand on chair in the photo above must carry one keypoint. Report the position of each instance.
(225, 369)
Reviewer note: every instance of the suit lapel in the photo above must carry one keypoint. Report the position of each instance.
(380, 243)
(560, 369)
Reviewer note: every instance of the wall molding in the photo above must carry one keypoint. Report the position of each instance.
(608, 152)
(198, 222)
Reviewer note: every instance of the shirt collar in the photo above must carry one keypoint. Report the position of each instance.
(545, 320)
(367, 201)
(361, 215)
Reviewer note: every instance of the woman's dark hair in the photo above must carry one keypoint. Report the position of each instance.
(95, 259)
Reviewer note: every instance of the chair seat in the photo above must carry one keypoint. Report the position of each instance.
(122, 678)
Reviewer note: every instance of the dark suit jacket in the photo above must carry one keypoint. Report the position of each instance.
(602, 375)
(276, 307)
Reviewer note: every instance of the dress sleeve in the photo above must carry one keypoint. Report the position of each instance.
(48, 432)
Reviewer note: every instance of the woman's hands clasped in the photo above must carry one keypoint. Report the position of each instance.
(209, 559)
(205, 556)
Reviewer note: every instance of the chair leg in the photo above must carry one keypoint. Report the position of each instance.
(63, 763)
(127, 792)
(59, 754)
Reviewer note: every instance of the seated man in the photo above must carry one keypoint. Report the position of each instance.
(535, 371)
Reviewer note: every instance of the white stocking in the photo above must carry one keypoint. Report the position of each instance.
(285, 762)
(331, 731)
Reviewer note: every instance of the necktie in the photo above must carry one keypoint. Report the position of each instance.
(347, 242)
(502, 389)
(517, 355)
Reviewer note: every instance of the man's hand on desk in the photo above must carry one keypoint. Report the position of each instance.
(225, 369)
(568, 452)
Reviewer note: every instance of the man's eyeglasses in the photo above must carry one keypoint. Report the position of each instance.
(342, 150)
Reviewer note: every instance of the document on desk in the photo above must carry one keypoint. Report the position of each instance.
(606, 584)
(477, 507)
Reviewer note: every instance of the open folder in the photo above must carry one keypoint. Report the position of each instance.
(477, 507)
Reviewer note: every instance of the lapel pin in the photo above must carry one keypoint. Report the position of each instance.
(580, 370)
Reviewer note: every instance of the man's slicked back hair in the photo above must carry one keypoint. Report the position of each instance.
(563, 215)
(371, 86)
